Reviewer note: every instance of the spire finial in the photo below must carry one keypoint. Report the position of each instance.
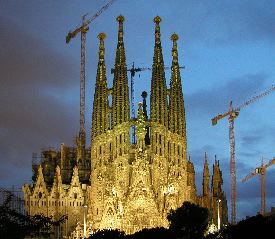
(120, 19)
(101, 36)
(205, 156)
(157, 20)
(174, 37)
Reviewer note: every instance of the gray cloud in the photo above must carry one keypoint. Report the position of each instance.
(213, 101)
(35, 83)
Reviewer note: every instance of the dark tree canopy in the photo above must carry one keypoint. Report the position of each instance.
(159, 233)
(254, 227)
(188, 221)
(108, 234)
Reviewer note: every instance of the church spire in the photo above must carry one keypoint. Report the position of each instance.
(120, 100)
(100, 108)
(158, 101)
(206, 177)
(216, 179)
(177, 123)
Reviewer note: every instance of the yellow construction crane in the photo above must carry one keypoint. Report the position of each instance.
(83, 29)
(262, 172)
(232, 114)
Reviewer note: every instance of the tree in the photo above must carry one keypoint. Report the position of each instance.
(253, 227)
(108, 234)
(188, 221)
(159, 233)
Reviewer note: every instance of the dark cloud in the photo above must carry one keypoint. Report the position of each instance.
(214, 100)
(35, 83)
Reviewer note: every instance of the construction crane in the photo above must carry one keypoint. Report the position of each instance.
(232, 114)
(83, 29)
(262, 172)
(133, 71)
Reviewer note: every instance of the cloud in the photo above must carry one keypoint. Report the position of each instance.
(214, 100)
(227, 22)
(36, 81)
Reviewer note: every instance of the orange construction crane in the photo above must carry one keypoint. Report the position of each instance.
(262, 172)
(83, 29)
(232, 114)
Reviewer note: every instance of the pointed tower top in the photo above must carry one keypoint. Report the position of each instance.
(205, 157)
(120, 19)
(205, 166)
(120, 93)
(101, 36)
(157, 20)
(174, 37)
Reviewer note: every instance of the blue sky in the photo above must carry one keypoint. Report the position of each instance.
(227, 48)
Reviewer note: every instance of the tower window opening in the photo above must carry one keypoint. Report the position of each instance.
(159, 139)
(120, 138)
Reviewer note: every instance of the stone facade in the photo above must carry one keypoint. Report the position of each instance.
(122, 184)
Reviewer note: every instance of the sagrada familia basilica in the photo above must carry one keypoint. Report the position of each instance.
(116, 183)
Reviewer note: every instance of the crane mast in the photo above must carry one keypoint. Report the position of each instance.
(82, 132)
(232, 114)
(232, 164)
(83, 29)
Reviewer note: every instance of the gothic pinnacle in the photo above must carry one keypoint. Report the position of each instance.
(101, 36)
(174, 38)
(120, 94)
(157, 21)
(120, 19)
(100, 105)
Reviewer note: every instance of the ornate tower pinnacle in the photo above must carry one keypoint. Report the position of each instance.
(158, 102)
(120, 100)
(174, 38)
(206, 177)
(177, 123)
(100, 120)
(216, 179)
